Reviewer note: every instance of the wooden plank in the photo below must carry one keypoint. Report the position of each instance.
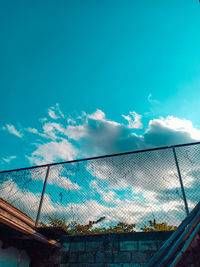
(16, 212)
(13, 222)
(14, 218)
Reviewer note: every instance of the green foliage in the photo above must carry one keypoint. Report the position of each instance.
(75, 228)
(154, 227)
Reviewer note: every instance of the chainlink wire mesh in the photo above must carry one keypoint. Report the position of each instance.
(189, 163)
(129, 188)
(23, 189)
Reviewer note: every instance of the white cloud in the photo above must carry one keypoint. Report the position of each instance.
(24, 200)
(11, 129)
(153, 171)
(151, 177)
(98, 135)
(97, 115)
(56, 178)
(106, 195)
(8, 159)
(52, 129)
(134, 120)
(53, 151)
(43, 119)
(76, 132)
(152, 100)
(94, 134)
(71, 121)
(130, 211)
(32, 130)
(55, 112)
(170, 131)
(52, 114)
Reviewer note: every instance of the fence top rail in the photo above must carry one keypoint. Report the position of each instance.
(101, 157)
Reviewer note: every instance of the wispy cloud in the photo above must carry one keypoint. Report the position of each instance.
(32, 130)
(11, 129)
(55, 112)
(9, 159)
(152, 100)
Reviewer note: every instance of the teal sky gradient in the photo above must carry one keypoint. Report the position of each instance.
(88, 55)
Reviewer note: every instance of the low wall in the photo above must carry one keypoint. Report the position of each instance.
(12, 257)
(111, 250)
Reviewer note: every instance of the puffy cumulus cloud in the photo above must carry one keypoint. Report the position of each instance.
(170, 131)
(151, 177)
(53, 151)
(97, 115)
(11, 129)
(125, 188)
(134, 120)
(98, 135)
(94, 134)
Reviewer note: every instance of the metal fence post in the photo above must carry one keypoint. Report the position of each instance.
(181, 181)
(42, 196)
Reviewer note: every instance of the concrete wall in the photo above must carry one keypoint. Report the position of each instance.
(12, 257)
(111, 250)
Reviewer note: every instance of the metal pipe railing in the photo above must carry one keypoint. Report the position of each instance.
(104, 156)
(154, 261)
(186, 245)
(42, 197)
(181, 182)
(177, 244)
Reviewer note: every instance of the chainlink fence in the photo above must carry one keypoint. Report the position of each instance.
(132, 188)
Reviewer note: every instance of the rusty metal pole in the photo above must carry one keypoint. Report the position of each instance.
(181, 182)
(42, 196)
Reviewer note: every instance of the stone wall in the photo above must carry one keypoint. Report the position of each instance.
(111, 250)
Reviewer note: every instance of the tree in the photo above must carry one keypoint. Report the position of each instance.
(154, 227)
(75, 228)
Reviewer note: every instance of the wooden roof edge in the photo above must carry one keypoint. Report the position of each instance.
(26, 230)
(16, 212)
(45, 240)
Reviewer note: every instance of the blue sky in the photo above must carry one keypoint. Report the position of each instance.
(88, 78)
(116, 56)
